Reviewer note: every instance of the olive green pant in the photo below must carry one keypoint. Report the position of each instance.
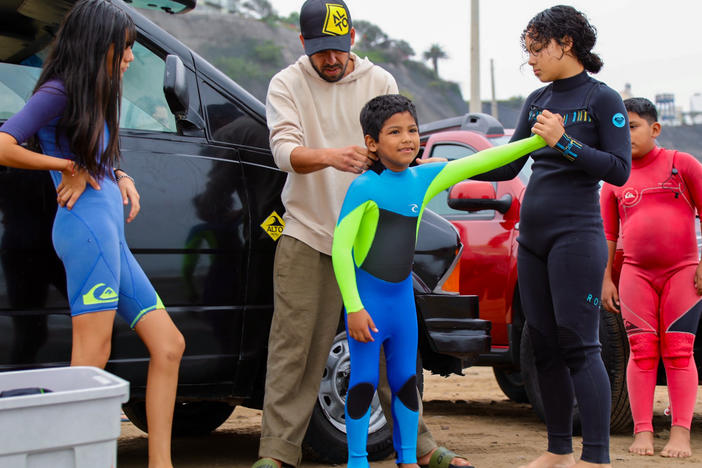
(306, 316)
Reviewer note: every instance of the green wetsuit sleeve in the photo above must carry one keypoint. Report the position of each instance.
(342, 257)
(483, 161)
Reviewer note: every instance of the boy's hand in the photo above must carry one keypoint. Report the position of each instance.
(360, 325)
(549, 126)
(698, 279)
(610, 296)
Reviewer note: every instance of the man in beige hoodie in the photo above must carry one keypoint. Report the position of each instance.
(313, 109)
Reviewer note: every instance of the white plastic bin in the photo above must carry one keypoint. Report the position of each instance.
(74, 426)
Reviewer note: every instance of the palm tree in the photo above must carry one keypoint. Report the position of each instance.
(435, 53)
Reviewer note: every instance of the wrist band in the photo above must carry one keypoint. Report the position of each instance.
(568, 147)
(123, 176)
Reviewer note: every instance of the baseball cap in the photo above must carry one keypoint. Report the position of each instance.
(325, 25)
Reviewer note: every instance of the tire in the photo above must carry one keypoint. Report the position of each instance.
(325, 440)
(511, 384)
(189, 418)
(615, 355)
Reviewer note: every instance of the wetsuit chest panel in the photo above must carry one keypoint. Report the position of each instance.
(392, 246)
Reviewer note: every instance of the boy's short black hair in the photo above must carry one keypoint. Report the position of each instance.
(379, 109)
(643, 107)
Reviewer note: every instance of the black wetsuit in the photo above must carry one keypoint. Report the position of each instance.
(563, 252)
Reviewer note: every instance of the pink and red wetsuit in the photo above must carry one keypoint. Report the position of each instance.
(659, 303)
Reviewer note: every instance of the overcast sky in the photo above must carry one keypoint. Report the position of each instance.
(656, 46)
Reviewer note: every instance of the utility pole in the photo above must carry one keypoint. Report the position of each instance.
(493, 107)
(475, 103)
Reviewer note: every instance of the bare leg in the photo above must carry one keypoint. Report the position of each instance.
(92, 334)
(552, 460)
(643, 443)
(678, 445)
(166, 346)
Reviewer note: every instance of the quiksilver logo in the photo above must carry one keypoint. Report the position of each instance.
(98, 296)
(629, 195)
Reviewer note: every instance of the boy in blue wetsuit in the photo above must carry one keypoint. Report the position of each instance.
(372, 254)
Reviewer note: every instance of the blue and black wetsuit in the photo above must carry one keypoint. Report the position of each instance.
(101, 272)
(563, 252)
(372, 253)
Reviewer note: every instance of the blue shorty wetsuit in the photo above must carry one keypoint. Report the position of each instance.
(372, 253)
(101, 272)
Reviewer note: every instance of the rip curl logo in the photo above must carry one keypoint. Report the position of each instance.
(629, 197)
(97, 296)
(618, 120)
(337, 20)
(414, 208)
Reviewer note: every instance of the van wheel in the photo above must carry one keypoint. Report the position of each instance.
(190, 418)
(325, 440)
(615, 355)
(511, 384)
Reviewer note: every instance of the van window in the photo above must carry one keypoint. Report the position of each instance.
(144, 105)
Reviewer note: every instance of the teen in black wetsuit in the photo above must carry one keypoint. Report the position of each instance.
(562, 248)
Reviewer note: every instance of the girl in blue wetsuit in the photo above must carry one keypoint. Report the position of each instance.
(74, 113)
(372, 254)
(562, 249)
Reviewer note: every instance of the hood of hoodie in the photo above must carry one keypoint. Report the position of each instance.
(362, 66)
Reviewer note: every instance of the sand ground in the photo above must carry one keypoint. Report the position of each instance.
(468, 414)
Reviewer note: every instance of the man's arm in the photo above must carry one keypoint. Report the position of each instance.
(350, 159)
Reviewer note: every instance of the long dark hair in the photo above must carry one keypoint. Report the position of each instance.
(78, 59)
(563, 21)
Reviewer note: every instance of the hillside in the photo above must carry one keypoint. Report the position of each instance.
(252, 51)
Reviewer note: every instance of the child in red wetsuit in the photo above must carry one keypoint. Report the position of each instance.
(661, 278)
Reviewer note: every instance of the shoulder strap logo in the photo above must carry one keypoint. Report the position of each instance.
(337, 20)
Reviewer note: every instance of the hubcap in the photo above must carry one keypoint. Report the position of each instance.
(335, 386)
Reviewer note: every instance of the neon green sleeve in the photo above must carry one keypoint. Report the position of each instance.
(342, 257)
(483, 161)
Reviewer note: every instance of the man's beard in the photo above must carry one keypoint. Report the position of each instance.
(326, 67)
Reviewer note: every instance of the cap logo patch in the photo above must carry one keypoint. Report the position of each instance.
(337, 20)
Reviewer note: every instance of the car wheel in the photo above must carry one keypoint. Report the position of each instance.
(326, 435)
(511, 384)
(189, 418)
(615, 355)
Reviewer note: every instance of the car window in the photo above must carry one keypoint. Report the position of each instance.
(450, 151)
(230, 124)
(16, 86)
(144, 105)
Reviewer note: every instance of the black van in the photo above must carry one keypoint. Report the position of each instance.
(197, 145)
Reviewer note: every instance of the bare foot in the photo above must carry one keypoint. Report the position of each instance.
(678, 445)
(408, 465)
(584, 464)
(643, 443)
(551, 460)
(456, 461)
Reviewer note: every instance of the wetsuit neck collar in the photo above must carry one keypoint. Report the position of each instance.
(647, 159)
(567, 84)
(377, 166)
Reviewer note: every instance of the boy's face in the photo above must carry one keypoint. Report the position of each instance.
(398, 142)
(643, 135)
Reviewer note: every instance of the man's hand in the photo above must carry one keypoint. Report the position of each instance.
(549, 126)
(354, 159)
(129, 194)
(72, 186)
(360, 326)
(610, 296)
(698, 279)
